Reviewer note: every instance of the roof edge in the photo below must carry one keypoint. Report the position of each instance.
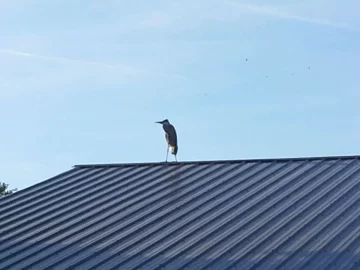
(217, 161)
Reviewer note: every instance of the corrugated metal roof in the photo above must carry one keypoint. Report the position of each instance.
(249, 214)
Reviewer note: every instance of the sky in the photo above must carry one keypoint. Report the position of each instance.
(83, 82)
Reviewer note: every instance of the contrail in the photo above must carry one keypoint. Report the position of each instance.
(284, 15)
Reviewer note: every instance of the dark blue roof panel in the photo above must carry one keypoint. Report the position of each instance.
(248, 214)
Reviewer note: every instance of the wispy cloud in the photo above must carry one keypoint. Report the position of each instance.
(124, 69)
(276, 12)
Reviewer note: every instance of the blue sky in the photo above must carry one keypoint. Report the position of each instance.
(84, 81)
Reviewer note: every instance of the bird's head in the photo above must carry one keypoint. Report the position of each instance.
(166, 122)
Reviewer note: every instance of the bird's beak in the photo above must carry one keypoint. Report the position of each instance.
(159, 122)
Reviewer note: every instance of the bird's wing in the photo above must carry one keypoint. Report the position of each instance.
(170, 135)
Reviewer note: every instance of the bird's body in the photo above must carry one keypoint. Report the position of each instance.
(171, 137)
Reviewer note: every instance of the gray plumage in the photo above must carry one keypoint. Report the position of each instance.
(171, 137)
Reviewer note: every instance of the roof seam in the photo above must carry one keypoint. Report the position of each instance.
(230, 161)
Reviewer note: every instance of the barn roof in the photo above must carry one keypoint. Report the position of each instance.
(290, 213)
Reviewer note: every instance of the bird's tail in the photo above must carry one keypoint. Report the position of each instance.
(174, 149)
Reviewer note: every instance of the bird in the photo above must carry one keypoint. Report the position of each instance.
(171, 138)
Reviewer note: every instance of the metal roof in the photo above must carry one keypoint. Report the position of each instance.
(300, 213)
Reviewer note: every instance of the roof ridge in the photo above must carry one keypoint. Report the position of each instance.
(230, 161)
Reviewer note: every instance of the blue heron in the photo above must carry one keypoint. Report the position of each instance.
(171, 137)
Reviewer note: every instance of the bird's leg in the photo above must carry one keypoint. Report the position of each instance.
(167, 153)
(175, 158)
